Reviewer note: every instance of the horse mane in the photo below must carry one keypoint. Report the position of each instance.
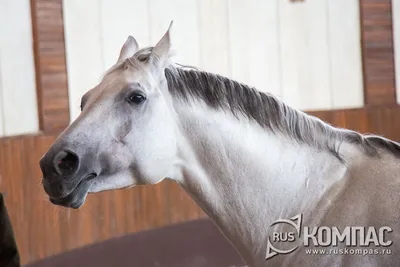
(219, 92)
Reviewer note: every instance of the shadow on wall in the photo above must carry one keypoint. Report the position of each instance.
(192, 244)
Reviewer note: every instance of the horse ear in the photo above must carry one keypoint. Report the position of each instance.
(162, 50)
(128, 49)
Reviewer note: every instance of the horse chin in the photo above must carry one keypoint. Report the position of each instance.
(76, 198)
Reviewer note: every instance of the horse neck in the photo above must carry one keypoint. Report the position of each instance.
(244, 177)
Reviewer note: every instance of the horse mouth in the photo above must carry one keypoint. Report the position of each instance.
(77, 197)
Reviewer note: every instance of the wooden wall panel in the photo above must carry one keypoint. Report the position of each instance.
(1, 110)
(186, 38)
(84, 29)
(346, 77)
(378, 52)
(305, 54)
(18, 105)
(119, 18)
(255, 45)
(321, 54)
(214, 36)
(51, 73)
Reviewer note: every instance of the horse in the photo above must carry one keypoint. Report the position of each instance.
(284, 187)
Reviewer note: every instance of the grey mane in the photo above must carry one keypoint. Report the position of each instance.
(220, 92)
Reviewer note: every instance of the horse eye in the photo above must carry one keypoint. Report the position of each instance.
(136, 98)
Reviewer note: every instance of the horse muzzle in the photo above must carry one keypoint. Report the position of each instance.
(65, 180)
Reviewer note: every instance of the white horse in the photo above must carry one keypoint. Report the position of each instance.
(249, 160)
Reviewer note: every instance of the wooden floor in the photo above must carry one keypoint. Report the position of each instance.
(43, 229)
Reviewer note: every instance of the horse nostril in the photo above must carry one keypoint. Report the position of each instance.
(66, 162)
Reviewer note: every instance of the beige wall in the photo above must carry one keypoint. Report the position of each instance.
(307, 53)
(18, 102)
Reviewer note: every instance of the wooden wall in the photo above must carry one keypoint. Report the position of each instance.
(307, 53)
(43, 229)
(18, 107)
